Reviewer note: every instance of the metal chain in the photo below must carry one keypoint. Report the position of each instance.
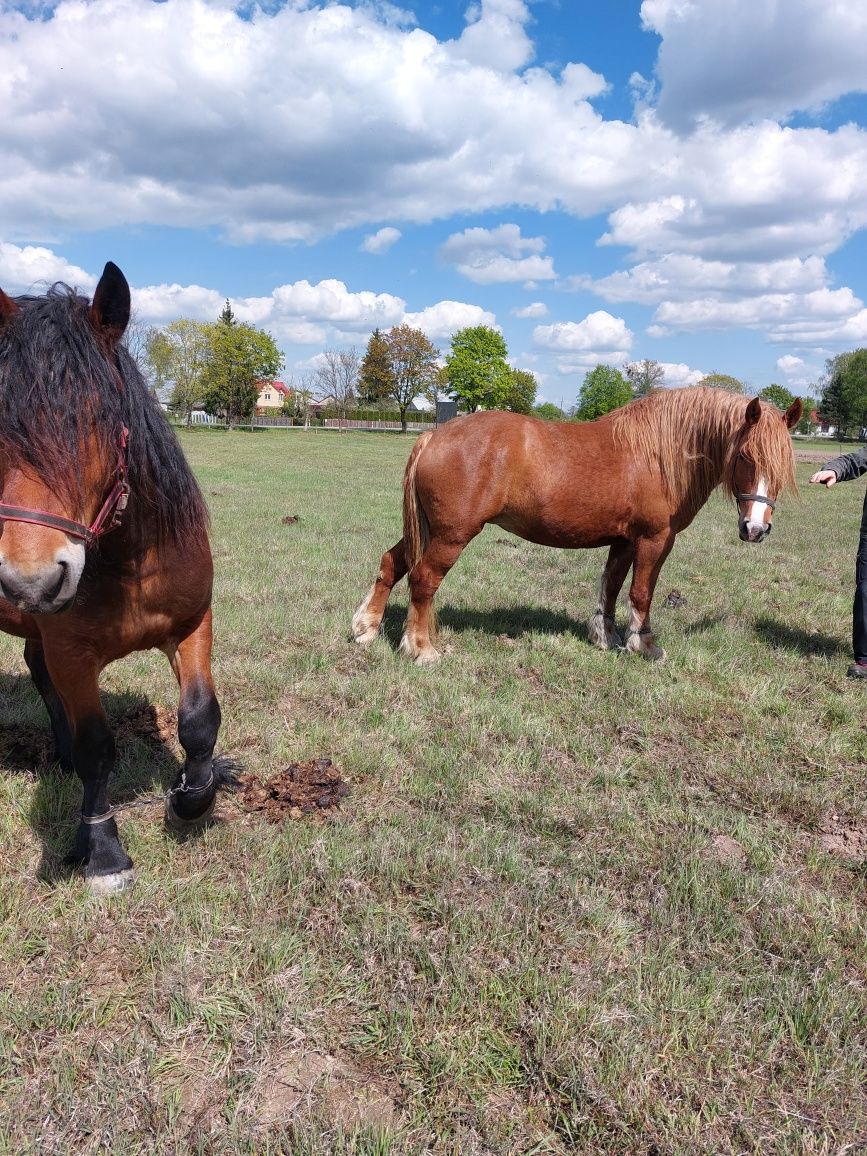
(149, 800)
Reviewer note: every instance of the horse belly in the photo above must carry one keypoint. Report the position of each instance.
(567, 530)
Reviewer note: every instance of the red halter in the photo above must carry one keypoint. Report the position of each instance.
(108, 518)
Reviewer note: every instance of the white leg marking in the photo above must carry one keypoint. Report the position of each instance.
(363, 629)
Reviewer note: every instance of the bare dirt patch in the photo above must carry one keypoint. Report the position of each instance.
(727, 850)
(152, 723)
(325, 1088)
(846, 840)
(24, 748)
(313, 787)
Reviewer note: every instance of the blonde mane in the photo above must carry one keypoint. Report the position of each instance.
(692, 437)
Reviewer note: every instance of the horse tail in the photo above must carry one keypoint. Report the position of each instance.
(416, 529)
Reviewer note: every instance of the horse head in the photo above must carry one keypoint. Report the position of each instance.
(45, 528)
(762, 466)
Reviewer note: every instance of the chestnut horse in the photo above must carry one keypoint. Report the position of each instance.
(631, 480)
(103, 547)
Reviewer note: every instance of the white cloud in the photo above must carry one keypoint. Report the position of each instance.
(490, 256)
(31, 269)
(381, 241)
(737, 60)
(494, 36)
(799, 373)
(823, 313)
(597, 332)
(442, 320)
(681, 276)
(677, 374)
(534, 309)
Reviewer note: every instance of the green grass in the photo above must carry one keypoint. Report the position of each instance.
(520, 934)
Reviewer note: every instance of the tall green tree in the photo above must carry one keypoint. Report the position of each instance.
(375, 378)
(413, 365)
(478, 372)
(723, 381)
(777, 395)
(549, 412)
(644, 376)
(522, 391)
(239, 358)
(604, 388)
(178, 355)
(844, 393)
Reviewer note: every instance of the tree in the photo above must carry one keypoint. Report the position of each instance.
(413, 364)
(844, 393)
(777, 395)
(605, 388)
(549, 412)
(644, 376)
(177, 356)
(239, 358)
(337, 378)
(297, 404)
(723, 381)
(522, 391)
(811, 406)
(477, 368)
(375, 379)
(227, 317)
(437, 388)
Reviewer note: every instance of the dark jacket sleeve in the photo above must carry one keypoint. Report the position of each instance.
(849, 466)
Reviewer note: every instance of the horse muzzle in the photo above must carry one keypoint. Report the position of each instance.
(753, 531)
(46, 589)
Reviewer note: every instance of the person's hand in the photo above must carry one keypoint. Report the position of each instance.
(823, 478)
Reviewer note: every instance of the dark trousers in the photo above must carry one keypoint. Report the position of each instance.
(859, 606)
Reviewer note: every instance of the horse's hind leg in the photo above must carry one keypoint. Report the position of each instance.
(35, 659)
(191, 800)
(424, 581)
(601, 631)
(107, 867)
(368, 617)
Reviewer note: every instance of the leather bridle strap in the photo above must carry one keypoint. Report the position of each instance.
(757, 498)
(108, 518)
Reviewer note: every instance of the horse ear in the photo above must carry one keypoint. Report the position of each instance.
(754, 410)
(794, 413)
(109, 313)
(8, 308)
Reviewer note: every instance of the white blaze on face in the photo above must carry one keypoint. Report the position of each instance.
(754, 519)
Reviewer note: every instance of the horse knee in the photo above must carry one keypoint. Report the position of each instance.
(199, 719)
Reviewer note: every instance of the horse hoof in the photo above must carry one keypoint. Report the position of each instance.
(427, 658)
(184, 826)
(366, 637)
(111, 884)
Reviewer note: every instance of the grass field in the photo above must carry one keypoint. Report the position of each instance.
(574, 902)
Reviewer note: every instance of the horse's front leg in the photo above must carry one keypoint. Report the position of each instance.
(650, 553)
(191, 800)
(97, 846)
(35, 659)
(601, 631)
(368, 617)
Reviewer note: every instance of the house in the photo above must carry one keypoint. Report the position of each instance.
(821, 427)
(272, 394)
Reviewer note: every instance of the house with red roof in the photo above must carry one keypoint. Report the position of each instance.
(272, 394)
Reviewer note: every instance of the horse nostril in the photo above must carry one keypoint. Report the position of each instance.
(58, 585)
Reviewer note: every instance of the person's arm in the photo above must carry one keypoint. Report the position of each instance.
(842, 469)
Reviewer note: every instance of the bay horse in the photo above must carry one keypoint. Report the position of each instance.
(630, 480)
(103, 547)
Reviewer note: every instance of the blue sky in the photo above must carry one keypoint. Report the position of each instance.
(683, 180)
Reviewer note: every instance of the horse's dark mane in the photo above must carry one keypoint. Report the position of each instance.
(60, 389)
